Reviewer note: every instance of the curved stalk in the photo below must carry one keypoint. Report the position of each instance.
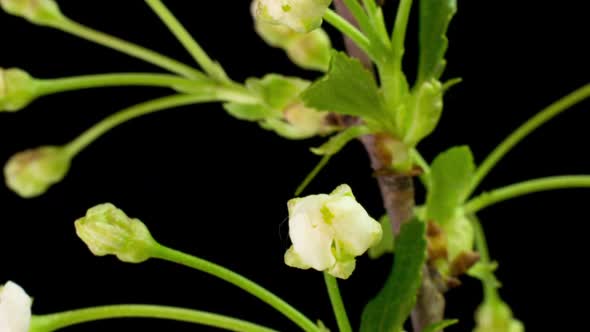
(189, 43)
(171, 255)
(349, 31)
(52, 322)
(128, 48)
(528, 127)
(527, 187)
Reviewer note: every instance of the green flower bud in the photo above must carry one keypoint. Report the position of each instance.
(311, 50)
(42, 12)
(107, 230)
(329, 231)
(496, 316)
(299, 15)
(30, 173)
(17, 89)
(307, 50)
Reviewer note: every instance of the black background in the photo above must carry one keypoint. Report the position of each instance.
(216, 187)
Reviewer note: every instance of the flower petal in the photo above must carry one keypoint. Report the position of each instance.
(15, 308)
(354, 229)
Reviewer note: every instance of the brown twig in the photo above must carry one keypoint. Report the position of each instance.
(397, 190)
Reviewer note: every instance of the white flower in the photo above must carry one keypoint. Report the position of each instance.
(15, 308)
(329, 231)
(299, 15)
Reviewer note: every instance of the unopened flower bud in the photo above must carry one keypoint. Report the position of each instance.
(42, 12)
(329, 231)
(30, 173)
(311, 50)
(308, 121)
(15, 308)
(299, 15)
(17, 89)
(107, 230)
(496, 316)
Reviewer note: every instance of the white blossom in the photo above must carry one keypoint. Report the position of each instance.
(299, 15)
(329, 231)
(15, 308)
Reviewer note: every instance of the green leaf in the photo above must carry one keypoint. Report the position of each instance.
(450, 175)
(339, 141)
(435, 16)
(386, 245)
(348, 88)
(440, 325)
(388, 311)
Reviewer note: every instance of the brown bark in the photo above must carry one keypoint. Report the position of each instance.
(397, 190)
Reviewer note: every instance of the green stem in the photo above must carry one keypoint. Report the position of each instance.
(52, 322)
(535, 122)
(398, 36)
(489, 281)
(349, 31)
(527, 187)
(359, 15)
(316, 170)
(274, 301)
(337, 304)
(131, 49)
(189, 43)
(51, 86)
(90, 135)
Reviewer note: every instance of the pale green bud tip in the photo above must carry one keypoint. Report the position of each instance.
(107, 230)
(15, 308)
(311, 50)
(329, 231)
(43, 12)
(17, 89)
(30, 173)
(299, 15)
(496, 316)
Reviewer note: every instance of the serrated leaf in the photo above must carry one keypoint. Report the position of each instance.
(440, 325)
(450, 175)
(388, 311)
(348, 88)
(435, 17)
(339, 141)
(386, 245)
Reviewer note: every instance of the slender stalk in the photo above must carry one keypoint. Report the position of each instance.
(189, 43)
(337, 304)
(349, 30)
(128, 48)
(52, 322)
(359, 15)
(527, 187)
(90, 135)
(489, 281)
(528, 127)
(398, 36)
(316, 170)
(423, 164)
(220, 272)
(51, 86)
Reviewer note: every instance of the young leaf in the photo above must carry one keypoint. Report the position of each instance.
(450, 176)
(440, 325)
(277, 91)
(435, 16)
(388, 311)
(348, 88)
